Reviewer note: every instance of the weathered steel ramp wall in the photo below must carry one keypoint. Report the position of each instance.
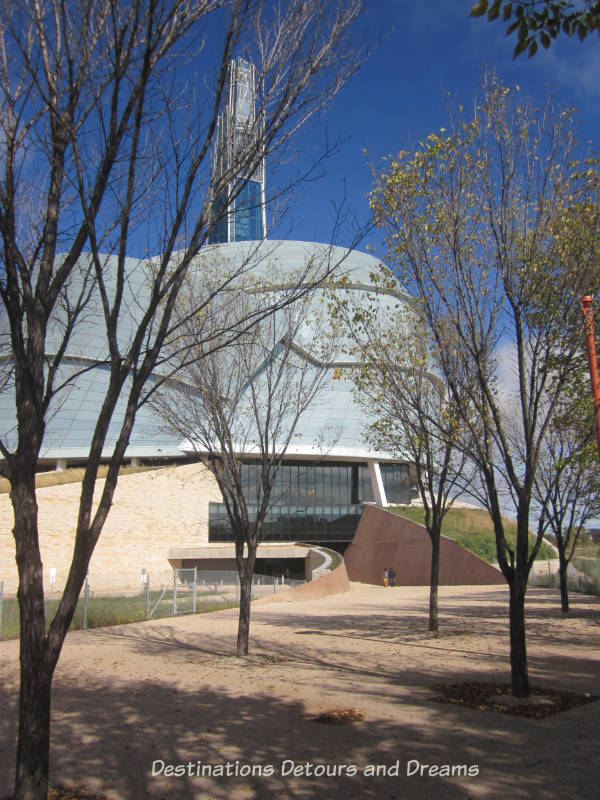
(334, 582)
(384, 539)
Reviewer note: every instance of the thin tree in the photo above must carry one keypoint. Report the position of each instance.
(414, 418)
(240, 407)
(567, 486)
(108, 118)
(484, 225)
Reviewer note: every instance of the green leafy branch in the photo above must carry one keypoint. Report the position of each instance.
(541, 21)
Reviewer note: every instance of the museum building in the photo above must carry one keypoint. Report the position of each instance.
(329, 471)
(332, 488)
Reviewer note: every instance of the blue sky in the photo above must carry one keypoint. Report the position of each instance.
(429, 49)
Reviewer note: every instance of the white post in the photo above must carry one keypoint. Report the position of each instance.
(377, 484)
(86, 594)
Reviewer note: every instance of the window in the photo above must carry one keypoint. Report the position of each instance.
(312, 502)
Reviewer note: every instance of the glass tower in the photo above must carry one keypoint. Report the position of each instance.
(238, 210)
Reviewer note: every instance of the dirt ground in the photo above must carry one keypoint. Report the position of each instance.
(169, 697)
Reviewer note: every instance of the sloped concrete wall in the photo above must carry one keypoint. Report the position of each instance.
(384, 539)
(335, 582)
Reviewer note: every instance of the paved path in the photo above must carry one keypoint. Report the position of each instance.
(169, 693)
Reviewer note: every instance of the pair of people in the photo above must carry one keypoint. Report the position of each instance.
(389, 577)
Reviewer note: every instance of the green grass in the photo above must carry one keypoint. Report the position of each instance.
(472, 528)
(591, 550)
(590, 567)
(336, 558)
(75, 475)
(106, 611)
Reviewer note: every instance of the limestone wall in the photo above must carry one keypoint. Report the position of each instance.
(152, 512)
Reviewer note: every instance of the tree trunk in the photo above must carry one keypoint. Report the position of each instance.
(518, 649)
(564, 589)
(246, 571)
(434, 581)
(244, 618)
(33, 745)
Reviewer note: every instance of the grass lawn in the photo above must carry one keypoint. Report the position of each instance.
(591, 550)
(105, 611)
(472, 528)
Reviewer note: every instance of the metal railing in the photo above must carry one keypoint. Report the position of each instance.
(188, 592)
(583, 575)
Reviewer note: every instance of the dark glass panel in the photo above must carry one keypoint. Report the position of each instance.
(218, 235)
(322, 524)
(364, 485)
(396, 482)
(247, 220)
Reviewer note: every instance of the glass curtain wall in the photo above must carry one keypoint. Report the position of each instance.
(312, 502)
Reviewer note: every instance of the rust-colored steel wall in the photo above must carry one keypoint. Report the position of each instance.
(384, 539)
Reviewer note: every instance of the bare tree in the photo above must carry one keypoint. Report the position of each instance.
(415, 419)
(494, 226)
(240, 406)
(108, 118)
(566, 489)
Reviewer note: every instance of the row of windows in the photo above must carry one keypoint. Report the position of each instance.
(308, 485)
(284, 524)
(312, 502)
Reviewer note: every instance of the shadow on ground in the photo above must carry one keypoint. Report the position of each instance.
(108, 736)
(108, 740)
